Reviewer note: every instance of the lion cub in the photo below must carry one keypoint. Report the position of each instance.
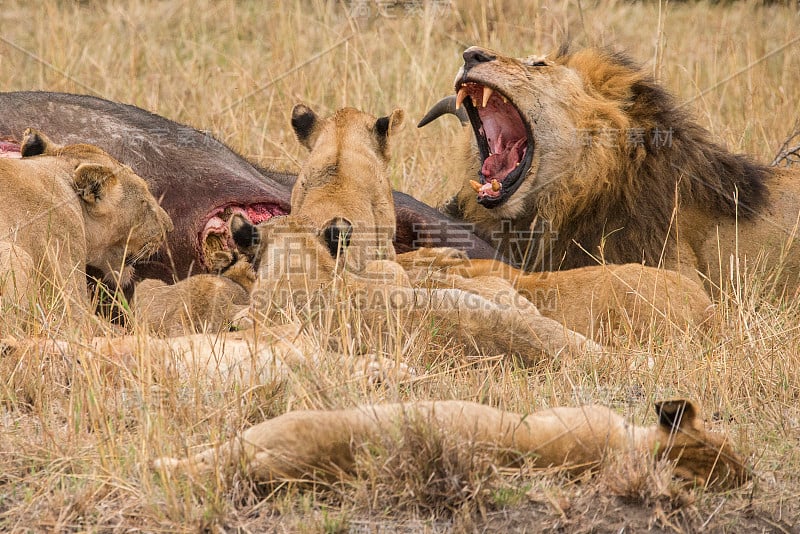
(204, 302)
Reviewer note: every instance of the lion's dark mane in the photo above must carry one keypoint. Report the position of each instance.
(631, 222)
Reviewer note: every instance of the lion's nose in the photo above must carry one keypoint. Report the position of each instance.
(475, 54)
(337, 235)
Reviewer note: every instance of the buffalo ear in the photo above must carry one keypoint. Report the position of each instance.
(93, 182)
(35, 143)
(676, 414)
(386, 127)
(245, 235)
(305, 125)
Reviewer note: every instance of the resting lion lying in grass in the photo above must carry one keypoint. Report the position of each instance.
(303, 443)
(603, 301)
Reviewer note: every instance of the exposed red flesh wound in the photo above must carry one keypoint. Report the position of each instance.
(9, 150)
(217, 224)
(504, 131)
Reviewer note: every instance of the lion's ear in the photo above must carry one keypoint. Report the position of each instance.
(35, 143)
(245, 235)
(93, 182)
(676, 414)
(337, 233)
(305, 124)
(221, 260)
(386, 127)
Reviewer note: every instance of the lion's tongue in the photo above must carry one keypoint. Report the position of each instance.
(498, 166)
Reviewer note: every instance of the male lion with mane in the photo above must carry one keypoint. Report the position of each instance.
(588, 159)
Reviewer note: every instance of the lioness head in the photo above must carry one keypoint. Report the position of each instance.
(343, 188)
(702, 457)
(123, 222)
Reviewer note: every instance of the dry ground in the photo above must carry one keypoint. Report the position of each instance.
(74, 447)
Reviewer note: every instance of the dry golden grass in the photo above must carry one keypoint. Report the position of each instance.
(75, 442)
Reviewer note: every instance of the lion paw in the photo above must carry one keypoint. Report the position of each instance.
(379, 370)
(442, 257)
(165, 463)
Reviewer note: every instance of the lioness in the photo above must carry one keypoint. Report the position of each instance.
(66, 207)
(301, 443)
(335, 249)
(201, 302)
(343, 188)
(602, 301)
(577, 157)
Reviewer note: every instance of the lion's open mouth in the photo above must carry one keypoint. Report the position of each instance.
(216, 236)
(504, 140)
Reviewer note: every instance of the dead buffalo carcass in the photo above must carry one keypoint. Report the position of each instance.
(200, 181)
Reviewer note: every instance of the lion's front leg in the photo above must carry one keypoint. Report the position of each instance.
(16, 286)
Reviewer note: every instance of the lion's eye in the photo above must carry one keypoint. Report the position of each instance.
(538, 63)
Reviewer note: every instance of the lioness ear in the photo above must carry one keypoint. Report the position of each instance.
(93, 182)
(337, 233)
(304, 123)
(387, 126)
(35, 143)
(676, 414)
(244, 234)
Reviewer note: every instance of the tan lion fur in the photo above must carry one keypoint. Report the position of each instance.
(621, 172)
(346, 178)
(297, 271)
(65, 208)
(300, 444)
(300, 264)
(603, 300)
(203, 302)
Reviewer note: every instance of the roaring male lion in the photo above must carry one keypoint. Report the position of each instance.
(300, 444)
(576, 158)
(66, 207)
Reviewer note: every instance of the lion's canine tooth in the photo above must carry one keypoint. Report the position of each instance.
(475, 185)
(487, 94)
(505, 100)
(496, 186)
(462, 94)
